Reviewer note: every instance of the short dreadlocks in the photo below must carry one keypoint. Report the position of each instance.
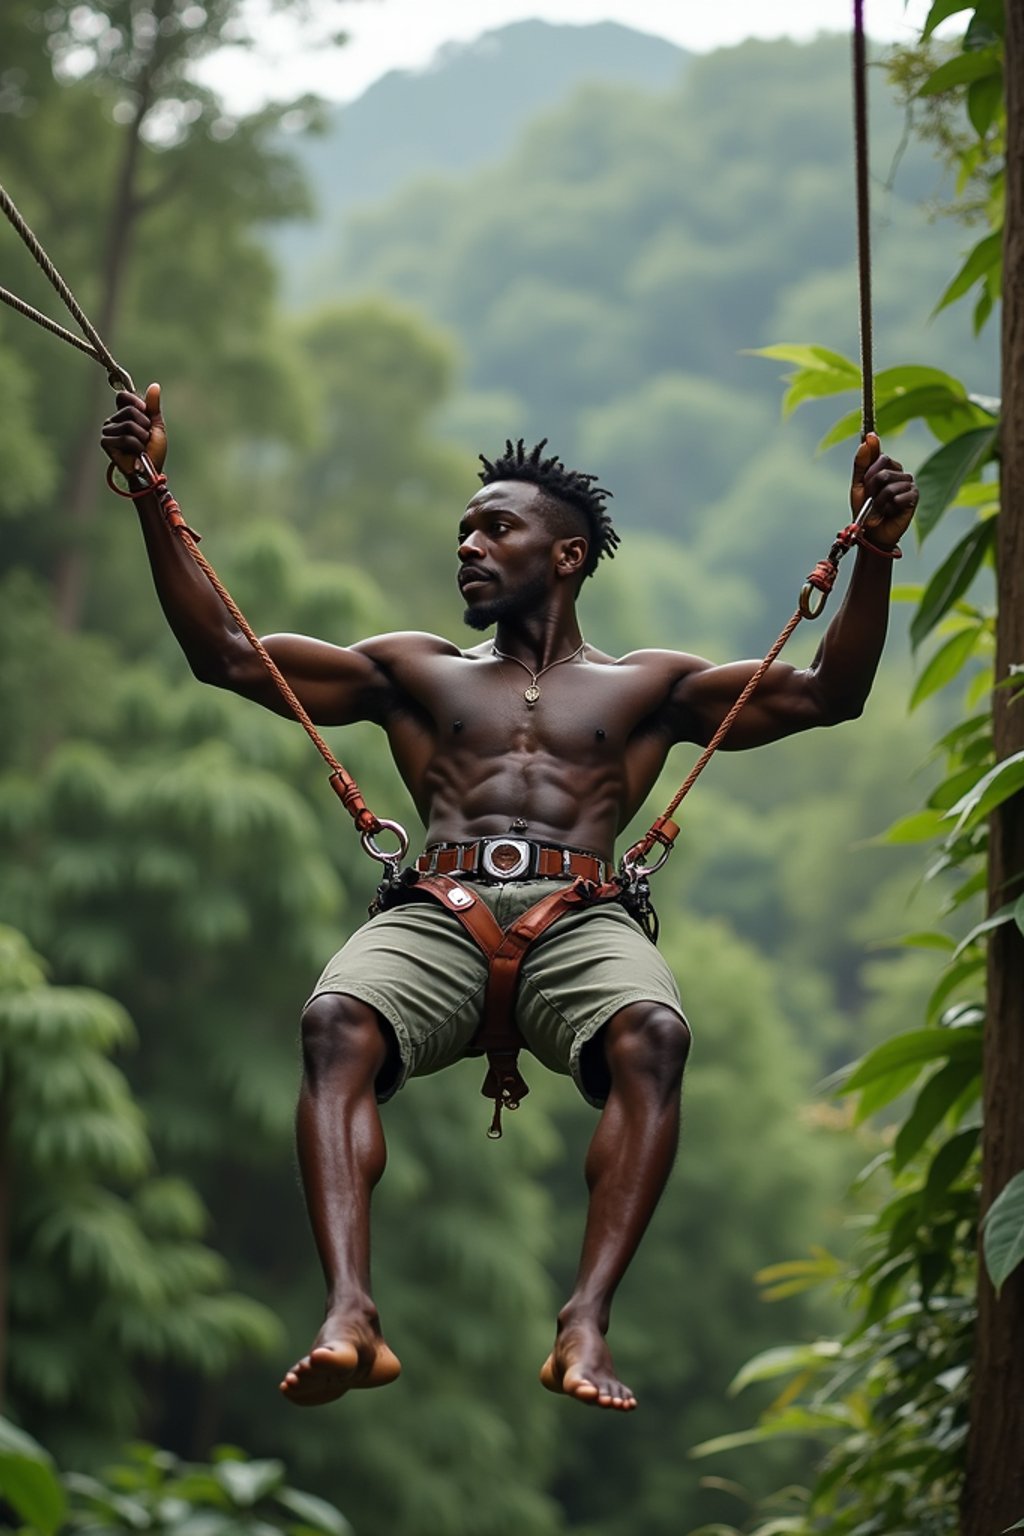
(566, 485)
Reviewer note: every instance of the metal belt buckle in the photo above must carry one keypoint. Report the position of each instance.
(505, 858)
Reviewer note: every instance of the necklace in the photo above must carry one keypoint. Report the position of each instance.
(532, 693)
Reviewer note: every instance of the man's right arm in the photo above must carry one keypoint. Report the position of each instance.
(337, 685)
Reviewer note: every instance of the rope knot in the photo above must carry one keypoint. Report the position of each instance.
(824, 576)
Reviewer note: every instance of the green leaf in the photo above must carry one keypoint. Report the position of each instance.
(951, 580)
(949, 981)
(1001, 783)
(915, 1047)
(847, 426)
(884, 1089)
(949, 1163)
(793, 1421)
(919, 827)
(983, 101)
(29, 1482)
(983, 258)
(814, 384)
(811, 356)
(941, 11)
(1011, 912)
(1003, 1232)
(784, 1360)
(945, 664)
(929, 938)
(246, 1482)
(314, 1512)
(961, 70)
(941, 476)
(936, 1098)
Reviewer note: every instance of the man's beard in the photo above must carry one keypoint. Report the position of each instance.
(510, 605)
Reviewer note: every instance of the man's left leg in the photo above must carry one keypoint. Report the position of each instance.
(628, 1162)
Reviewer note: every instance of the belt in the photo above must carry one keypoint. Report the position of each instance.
(494, 860)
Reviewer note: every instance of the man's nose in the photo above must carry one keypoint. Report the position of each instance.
(469, 549)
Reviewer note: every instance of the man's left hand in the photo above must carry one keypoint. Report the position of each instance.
(892, 490)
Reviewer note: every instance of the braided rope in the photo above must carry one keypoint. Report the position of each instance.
(115, 373)
(664, 829)
(860, 139)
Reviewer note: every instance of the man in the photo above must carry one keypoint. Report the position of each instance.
(526, 753)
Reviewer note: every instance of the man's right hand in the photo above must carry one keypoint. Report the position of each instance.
(136, 427)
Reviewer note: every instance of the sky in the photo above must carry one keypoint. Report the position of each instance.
(406, 34)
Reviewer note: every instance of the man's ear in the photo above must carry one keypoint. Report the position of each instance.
(570, 555)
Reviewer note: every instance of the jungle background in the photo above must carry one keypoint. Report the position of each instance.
(343, 309)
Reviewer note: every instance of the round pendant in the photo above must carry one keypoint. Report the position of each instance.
(531, 694)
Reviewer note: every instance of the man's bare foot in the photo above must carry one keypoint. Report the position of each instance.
(346, 1354)
(580, 1366)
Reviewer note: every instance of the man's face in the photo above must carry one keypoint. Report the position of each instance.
(506, 553)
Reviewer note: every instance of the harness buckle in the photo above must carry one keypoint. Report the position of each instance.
(505, 858)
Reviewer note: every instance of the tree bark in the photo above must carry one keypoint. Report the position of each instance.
(993, 1497)
(80, 491)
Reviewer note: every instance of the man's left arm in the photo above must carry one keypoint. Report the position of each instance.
(837, 683)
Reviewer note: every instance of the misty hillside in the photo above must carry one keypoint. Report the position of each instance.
(467, 108)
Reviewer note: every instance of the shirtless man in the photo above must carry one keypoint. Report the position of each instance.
(533, 741)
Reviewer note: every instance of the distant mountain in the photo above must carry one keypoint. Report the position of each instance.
(467, 107)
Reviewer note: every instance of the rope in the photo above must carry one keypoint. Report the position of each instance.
(118, 376)
(860, 141)
(344, 786)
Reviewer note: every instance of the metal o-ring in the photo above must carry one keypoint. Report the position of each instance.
(808, 608)
(634, 871)
(369, 843)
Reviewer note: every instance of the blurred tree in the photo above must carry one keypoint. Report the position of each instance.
(102, 1274)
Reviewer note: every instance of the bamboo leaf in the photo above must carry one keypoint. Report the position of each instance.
(951, 580)
(1003, 1232)
(941, 476)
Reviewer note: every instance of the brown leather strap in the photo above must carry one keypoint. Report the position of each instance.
(505, 950)
(548, 862)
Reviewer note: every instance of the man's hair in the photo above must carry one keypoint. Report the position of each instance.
(570, 486)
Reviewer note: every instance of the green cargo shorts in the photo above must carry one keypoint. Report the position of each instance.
(419, 969)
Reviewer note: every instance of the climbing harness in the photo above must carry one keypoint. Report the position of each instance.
(503, 948)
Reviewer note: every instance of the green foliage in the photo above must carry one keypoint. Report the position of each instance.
(889, 1399)
(29, 1484)
(153, 1490)
(88, 1209)
(177, 847)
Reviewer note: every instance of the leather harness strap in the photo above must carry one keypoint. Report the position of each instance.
(492, 857)
(505, 950)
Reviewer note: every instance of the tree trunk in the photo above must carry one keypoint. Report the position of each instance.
(993, 1496)
(80, 491)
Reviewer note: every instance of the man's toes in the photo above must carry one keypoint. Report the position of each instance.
(577, 1385)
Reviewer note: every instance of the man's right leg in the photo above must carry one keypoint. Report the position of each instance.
(341, 1156)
